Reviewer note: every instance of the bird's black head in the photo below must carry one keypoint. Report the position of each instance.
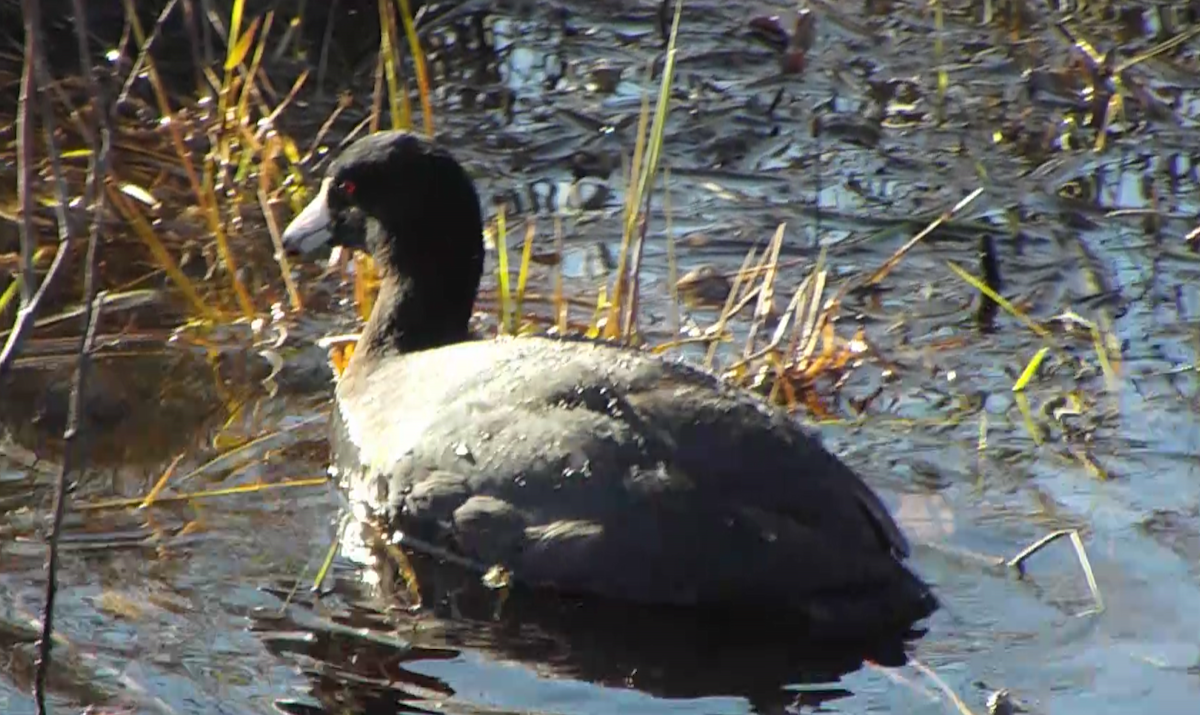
(413, 207)
(401, 199)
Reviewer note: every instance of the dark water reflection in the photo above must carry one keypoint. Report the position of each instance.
(533, 652)
(189, 607)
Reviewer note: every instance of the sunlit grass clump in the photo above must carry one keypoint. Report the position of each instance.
(205, 176)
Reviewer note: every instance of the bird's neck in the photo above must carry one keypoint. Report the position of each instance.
(417, 313)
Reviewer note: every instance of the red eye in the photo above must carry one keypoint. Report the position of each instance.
(348, 188)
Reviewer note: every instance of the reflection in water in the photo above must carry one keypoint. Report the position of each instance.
(382, 664)
(119, 428)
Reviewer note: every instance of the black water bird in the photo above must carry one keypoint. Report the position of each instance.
(581, 468)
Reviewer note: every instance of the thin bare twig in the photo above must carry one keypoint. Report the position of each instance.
(25, 152)
(326, 42)
(35, 71)
(70, 436)
(98, 170)
(25, 159)
(203, 86)
(138, 64)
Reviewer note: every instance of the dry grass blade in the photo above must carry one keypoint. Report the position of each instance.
(319, 578)
(249, 89)
(162, 481)
(330, 554)
(718, 328)
(1165, 46)
(809, 329)
(780, 330)
(205, 196)
(1086, 564)
(98, 168)
(10, 293)
(33, 74)
(70, 435)
(766, 292)
(1098, 343)
(928, 672)
(377, 92)
(1018, 562)
(247, 451)
(238, 46)
(1114, 107)
(1031, 425)
(657, 136)
(267, 125)
(35, 69)
(1000, 300)
(882, 272)
(25, 170)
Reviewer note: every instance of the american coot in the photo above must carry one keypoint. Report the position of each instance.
(582, 468)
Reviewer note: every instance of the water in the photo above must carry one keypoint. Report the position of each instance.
(203, 606)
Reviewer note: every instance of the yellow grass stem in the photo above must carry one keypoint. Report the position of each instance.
(10, 292)
(612, 326)
(414, 47)
(1030, 370)
(233, 58)
(506, 317)
(1031, 425)
(387, 54)
(205, 199)
(1000, 300)
(377, 93)
(523, 271)
(205, 494)
(327, 562)
(248, 86)
(894, 260)
(162, 482)
(642, 177)
(144, 231)
(1110, 375)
